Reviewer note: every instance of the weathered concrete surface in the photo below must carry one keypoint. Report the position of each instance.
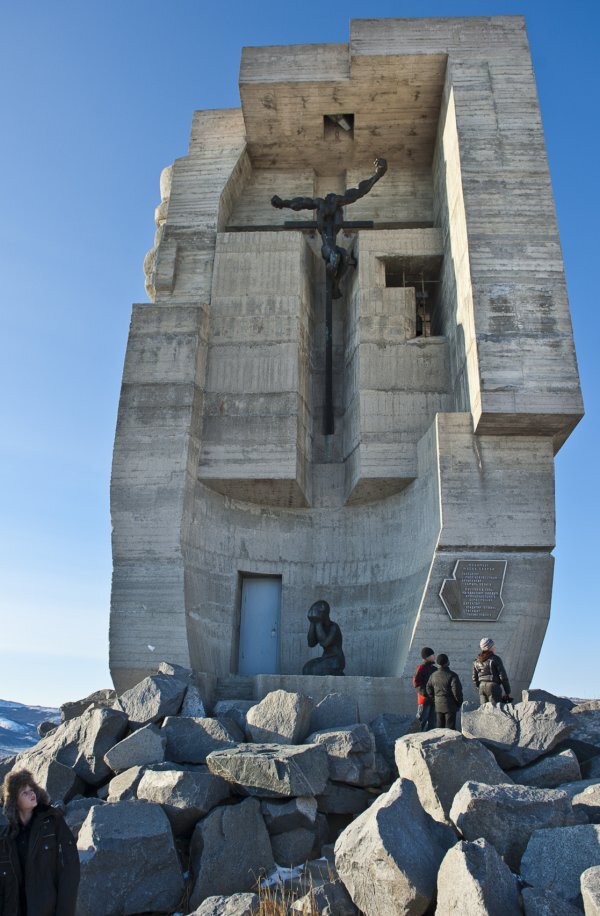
(227, 362)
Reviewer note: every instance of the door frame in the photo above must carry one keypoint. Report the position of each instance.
(237, 617)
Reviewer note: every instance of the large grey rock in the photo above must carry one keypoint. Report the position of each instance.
(6, 765)
(293, 847)
(575, 788)
(191, 740)
(389, 857)
(81, 744)
(236, 731)
(591, 768)
(101, 699)
(548, 772)
(507, 815)
(193, 704)
(587, 803)
(387, 728)
(177, 671)
(186, 794)
(555, 858)
(272, 770)
(334, 710)
(543, 696)
(474, 881)
(236, 905)
(60, 781)
(280, 718)
(233, 709)
(350, 751)
(590, 891)
(230, 850)
(328, 899)
(153, 698)
(587, 723)
(539, 902)
(519, 734)
(124, 786)
(128, 861)
(282, 816)
(77, 811)
(439, 762)
(142, 747)
(339, 798)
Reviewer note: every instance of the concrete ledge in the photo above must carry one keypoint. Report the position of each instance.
(374, 695)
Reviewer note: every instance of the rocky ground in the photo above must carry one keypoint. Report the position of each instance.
(285, 806)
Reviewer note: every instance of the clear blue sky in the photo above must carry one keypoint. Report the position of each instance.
(97, 97)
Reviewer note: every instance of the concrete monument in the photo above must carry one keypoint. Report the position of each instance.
(426, 517)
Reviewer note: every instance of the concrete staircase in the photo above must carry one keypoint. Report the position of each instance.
(234, 687)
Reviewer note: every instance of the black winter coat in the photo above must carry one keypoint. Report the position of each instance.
(445, 690)
(51, 870)
(488, 669)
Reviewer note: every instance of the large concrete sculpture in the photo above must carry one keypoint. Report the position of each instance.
(427, 518)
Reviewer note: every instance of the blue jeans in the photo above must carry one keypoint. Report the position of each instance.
(426, 716)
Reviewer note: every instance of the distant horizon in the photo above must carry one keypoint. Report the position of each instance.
(99, 100)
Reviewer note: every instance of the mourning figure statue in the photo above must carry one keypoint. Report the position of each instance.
(327, 634)
(329, 220)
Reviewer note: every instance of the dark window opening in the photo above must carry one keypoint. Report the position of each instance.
(336, 126)
(422, 275)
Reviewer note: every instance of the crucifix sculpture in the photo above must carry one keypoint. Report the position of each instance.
(329, 220)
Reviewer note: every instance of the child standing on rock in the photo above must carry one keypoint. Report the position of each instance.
(425, 709)
(444, 690)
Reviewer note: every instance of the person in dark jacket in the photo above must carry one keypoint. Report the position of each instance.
(489, 675)
(445, 691)
(38, 854)
(425, 708)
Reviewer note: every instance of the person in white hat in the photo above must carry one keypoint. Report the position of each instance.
(489, 675)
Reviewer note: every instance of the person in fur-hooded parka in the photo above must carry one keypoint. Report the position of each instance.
(39, 864)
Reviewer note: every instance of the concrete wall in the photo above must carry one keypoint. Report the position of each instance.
(444, 445)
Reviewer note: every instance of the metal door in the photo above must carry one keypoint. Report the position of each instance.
(259, 625)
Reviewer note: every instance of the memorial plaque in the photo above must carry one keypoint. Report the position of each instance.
(475, 591)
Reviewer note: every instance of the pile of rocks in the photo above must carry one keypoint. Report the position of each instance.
(179, 811)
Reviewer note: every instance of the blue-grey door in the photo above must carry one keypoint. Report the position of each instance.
(259, 625)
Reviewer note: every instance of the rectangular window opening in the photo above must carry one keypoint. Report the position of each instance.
(338, 126)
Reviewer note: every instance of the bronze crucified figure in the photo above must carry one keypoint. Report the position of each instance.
(329, 221)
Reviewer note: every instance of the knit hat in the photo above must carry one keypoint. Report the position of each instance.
(426, 652)
(486, 644)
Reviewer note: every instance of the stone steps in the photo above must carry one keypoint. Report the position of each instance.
(234, 687)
